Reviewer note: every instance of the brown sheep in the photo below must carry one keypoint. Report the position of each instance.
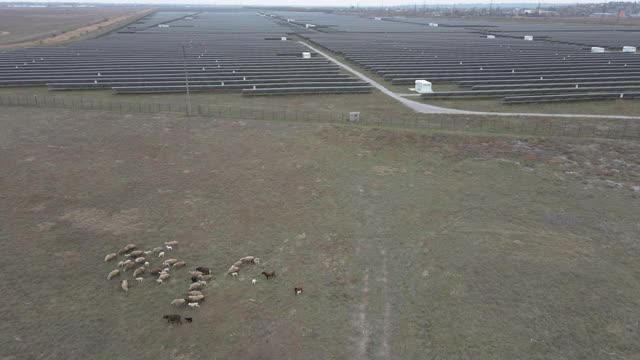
(195, 273)
(179, 264)
(204, 270)
(269, 274)
(155, 272)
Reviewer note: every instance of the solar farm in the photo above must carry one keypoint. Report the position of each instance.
(258, 53)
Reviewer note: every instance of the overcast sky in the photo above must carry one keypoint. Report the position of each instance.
(318, 2)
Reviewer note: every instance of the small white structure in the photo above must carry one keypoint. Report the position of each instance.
(528, 37)
(306, 55)
(629, 49)
(309, 26)
(423, 87)
(354, 116)
(491, 36)
(433, 24)
(163, 25)
(597, 49)
(283, 38)
(290, 20)
(377, 18)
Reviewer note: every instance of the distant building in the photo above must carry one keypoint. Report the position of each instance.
(600, 14)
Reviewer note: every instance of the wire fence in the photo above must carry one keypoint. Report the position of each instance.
(610, 129)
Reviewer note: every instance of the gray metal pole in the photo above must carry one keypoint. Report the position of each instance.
(186, 79)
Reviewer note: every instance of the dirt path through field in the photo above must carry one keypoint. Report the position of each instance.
(76, 32)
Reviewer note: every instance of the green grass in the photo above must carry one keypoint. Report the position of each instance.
(414, 245)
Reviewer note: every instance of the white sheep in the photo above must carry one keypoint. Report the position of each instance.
(234, 274)
(148, 252)
(179, 264)
(196, 298)
(127, 262)
(233, 269)
(140, 260)
(195, 286)
(168, 247)
(110, 257)
(129, 266)
(254, 281)
(169, 262)
(136, 253)
(194, 305)
(171, 243)
(139, 271)
(164, 276)
(194, 292)
(205, 277)
(121, 264)
(247, 259)
(195, 273)
(113, 274)
(179, 302)
(166, 270)
(130, 247)
(237, 264)
(161, 254)
(157, 249)
(124, 285)
(146, 264)
(139, 279)
(202, 282)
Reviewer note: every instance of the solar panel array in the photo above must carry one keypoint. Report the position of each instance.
(225, 51)
(557, 65)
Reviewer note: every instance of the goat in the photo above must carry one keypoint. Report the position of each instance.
(235, 274)
(298, 290)
(256, 261)
(168, 247)
(161, 254)
(194, 305)
(254, 281)
(173, 319)
(189, 319)
(110, 257)
(139, 279)
(269, 274)
(113, 274)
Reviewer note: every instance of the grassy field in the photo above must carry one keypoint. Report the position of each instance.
(24, 24)
(408, 245)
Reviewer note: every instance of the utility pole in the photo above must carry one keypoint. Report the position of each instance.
(186, 80)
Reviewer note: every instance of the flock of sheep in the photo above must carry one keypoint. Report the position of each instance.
(139, 262)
